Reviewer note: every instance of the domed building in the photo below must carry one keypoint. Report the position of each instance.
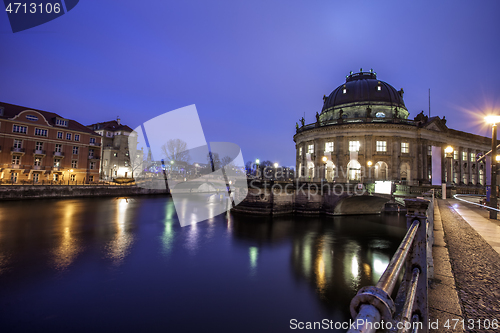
(363, 133)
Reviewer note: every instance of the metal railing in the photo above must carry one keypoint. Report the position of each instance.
(373, 307)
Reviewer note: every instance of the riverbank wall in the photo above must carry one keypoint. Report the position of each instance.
(22, 192)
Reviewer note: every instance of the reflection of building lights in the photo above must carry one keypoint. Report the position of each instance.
(379, 264)
(354, 267)
(254, 253)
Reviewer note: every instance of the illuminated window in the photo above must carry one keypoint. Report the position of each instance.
(38, 161)
(455, 154)
(57, 162)
(379, 88)
(328, 147)
(353, 146)
(310, 149)
(300, 151)
(382, 146)
(344, 91)
(429, 150)
(405, 147)
(73, 178)
(16, 159)
(472, 157)
(464, 156)
(380, 115)
(91, 178)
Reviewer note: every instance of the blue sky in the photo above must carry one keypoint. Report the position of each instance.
(252, 68)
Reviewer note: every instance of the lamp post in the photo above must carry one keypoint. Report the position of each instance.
(449, 154)
(275, 170)
(257, 170)
(493, 120)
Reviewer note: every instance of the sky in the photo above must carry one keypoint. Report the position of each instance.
(253, 68)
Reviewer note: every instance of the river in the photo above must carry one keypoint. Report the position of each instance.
(126, 265)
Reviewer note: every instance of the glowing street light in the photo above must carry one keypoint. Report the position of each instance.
(369, 163)
(449, 154)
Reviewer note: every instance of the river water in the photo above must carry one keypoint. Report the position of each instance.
(126, 265)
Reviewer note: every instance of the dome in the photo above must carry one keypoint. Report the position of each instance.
(363, 88)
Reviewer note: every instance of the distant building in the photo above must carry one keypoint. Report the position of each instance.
(116, 160)
(39, 146)
(363, 133)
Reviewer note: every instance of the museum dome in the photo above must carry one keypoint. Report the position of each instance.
(363, 88)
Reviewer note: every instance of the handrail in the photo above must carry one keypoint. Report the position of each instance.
(408, 307)
(371, 304)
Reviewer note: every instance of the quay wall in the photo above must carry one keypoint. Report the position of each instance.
(21, 192)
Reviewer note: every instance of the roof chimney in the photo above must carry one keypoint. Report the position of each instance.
(118, 120)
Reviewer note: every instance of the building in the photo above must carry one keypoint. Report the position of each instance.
(364, 133)
(116, 161)
(39, 146)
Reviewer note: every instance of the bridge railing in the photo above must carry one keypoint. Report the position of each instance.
(373, 307)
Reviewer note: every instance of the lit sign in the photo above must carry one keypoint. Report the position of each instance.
(383, 186)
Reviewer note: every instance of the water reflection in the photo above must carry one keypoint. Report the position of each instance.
(68, 248)
(254, 254)
(168, 231)
(119, 247)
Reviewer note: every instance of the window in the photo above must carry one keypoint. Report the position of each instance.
(38, 145)
(328, 147)
(38, 161)
(126, 163)
(58, 148)
(115, 154)
(353, 146)
(464, 156)
(77, 137)
(405, 147)
(68, 136)
(59, 135)
(91, 153)
(109, 134)
(106, 162)
(472, 157)
(300, 151)
(379, 88)
(61, 122)
(75, 150)
(16, 159)
(382, 146)
(40, 132)
(91, 178)
(310, 149)
(455, 154)
(57, 162)
(73, 178)
(380, 115)
(74, 164)
(55, 177)
(344, 91)
(19, 129)
(92, 165)
(92, 140)
(429, 150)
(31, 117)
(18, 144)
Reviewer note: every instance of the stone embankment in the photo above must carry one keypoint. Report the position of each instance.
(21, 192)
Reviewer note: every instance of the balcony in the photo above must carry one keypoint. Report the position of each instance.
(39, 152)
(16, 166)
(14, 150)
(95, 144)
(56, 168)
(59, 153)
(37, 167)
(93, 157)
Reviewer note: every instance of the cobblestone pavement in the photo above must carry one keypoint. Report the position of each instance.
(476, 267)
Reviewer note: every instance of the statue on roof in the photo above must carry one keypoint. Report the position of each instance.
(317, 117)
(302, 121)
(444, 120)
(297, 126)
(341, 113)
(324, 99)
(368, 112)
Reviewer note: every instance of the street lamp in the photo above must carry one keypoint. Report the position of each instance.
(325, 159)
(275, 170)
(493, 120)
(257, 170)
(449, 154)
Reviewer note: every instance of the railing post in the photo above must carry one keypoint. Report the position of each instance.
(417, 258)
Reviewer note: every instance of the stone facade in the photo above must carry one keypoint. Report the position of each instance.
(348, 145)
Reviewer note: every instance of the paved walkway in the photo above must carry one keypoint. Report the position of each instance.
(466, 284)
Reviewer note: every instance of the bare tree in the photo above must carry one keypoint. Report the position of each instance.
(175, 150)
(137, 162)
